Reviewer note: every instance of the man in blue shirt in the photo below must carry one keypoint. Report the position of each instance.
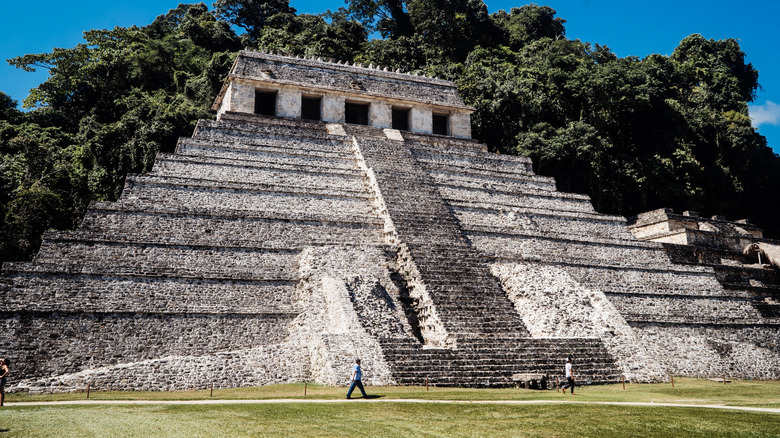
(357, 377)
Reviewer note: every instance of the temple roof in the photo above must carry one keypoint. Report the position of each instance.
(319, 75)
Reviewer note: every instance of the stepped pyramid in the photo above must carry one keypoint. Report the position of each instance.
(335, 211)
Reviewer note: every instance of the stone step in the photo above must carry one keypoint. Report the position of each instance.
(753, 288)
(692, 308)
(468, 305)
(469, 161)
(194, 226)
(475, 198)
(289, 141)
(707, 256)
(462, 148)
(674, 280)
(513, 220)
(655, 320)
(613, 241)
(278, 147)
(260, 125)
(76, 251)
(465, 178)
(97, 269)
(264, 156)
(263, 123)
(189, 241)
(142, 196)
(237, 128)
(537, 347)
(444, 144)
(462, 357)
(291, 161)
(154, 180)
(496, 175)
(493, 363)
(756, 275)
(233, 172)
(336, 219)
(51, 288)
(530, 246)
(505, 370)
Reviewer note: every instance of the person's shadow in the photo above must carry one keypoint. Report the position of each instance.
(373, 396)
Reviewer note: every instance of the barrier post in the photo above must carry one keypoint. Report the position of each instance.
(304, 388)
(87, 390)
(211, 393)
(724, 379)
(426, 384)
(672, 381)
(557, 385)
(624, 382)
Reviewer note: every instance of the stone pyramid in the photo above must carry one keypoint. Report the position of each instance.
(335, 211)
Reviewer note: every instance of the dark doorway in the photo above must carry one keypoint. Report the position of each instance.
(265, 103)
(440, 124)
(401, 119)
(356, 113)
(310, 108)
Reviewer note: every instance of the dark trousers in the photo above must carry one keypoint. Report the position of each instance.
(569, 384)
(359, 384)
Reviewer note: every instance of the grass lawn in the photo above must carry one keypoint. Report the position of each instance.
(388, 418)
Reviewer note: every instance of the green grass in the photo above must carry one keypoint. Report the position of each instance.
(690, 391)
(383, 419)
(410, 419)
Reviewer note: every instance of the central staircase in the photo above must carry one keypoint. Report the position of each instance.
(486, 340)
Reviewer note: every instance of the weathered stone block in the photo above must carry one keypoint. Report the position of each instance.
(380, 115)
(421, 120)
(288, 103)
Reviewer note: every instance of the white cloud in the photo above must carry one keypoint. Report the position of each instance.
(766, 114)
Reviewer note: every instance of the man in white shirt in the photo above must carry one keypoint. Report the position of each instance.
(357, 377)
(569, 377)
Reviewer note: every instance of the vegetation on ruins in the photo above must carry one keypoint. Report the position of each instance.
(634, 134)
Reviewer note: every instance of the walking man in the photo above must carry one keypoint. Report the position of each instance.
(569, 377)
(357, 377)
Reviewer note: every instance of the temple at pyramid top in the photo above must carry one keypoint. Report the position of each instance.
(313, 89)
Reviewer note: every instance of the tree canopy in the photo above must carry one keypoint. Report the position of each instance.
(634, 134)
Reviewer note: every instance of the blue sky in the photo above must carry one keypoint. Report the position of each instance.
(629, 28)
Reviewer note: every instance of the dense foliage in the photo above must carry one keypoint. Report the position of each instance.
(635, 134)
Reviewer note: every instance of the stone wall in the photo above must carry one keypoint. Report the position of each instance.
(46, 345)
(344, 319)
(713, 350)
(554, 305)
